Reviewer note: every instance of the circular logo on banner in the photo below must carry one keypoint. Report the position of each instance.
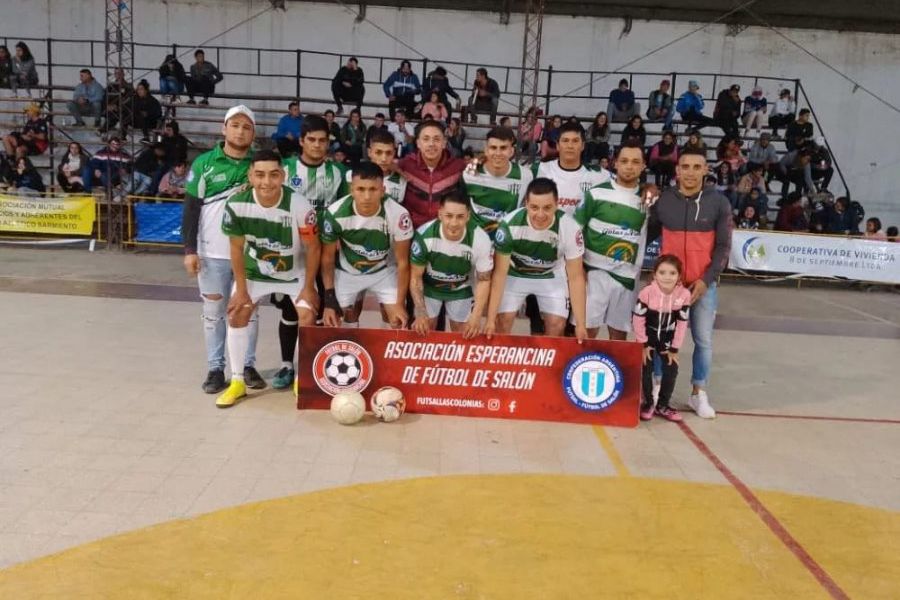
(342, 366)
(754, 252)
(592, 381)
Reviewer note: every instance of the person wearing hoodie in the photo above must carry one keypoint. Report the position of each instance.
(401, 89)
(437, 82)
(690, 107)
(349, 85)
(6, 68)
(660, 105)
(728, 110)
(24, 73)
(171, 77)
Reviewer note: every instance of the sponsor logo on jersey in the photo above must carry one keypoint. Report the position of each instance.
(405, 223)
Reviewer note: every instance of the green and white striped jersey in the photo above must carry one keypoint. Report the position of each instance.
(365, 242)
(320, 185)
(615, 231)
(573, 184)
(495, 197)
(448, 264)
(272, 246)
(536, 253)
(394, 186)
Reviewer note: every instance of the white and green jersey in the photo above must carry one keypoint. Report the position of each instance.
(572, 184)
(537, 253)
(448, 264)
(365, 242)
(495, 197)
(615, 231)
(272, 246)
(320, 184)
(394, 186)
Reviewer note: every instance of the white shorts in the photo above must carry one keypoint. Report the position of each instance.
(608, 302)
(348, 287)
(457, 310)
(262, 289)
(552, 294)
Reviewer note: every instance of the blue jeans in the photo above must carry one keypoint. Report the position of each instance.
(170, 85)
(216, 278)
(703, 316)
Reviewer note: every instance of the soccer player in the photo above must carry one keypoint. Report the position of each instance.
(214, 177)
(445, 254)
(363, 228)
(614, 220)
(497, 186)
(572, 177)
(382, 151)
(269, 228)
(530, 246)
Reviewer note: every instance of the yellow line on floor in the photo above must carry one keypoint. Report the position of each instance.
(614, 457)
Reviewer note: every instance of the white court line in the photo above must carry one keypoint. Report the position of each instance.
(855, 310)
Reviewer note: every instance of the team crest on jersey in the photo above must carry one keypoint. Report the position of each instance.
(416, 248)
(342, 366)
(296, 181)
(585, 186)
(514, 188)
(405, 223)
(327, 227)
(499, 237)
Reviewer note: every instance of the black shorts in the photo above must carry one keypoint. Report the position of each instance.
(30, 145)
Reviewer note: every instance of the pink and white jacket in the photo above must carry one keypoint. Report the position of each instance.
(660, 319)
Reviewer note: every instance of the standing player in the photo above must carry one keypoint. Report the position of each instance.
(572, 177)
(363, 228)
(214, 177)
(269, 227)
(530, 245)
(382, 152)
(444, 255)
(614, 220)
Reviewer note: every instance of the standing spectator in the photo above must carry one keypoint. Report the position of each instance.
(485, 96)
(437, 81)
(147, 110)
(434, 108)
(663, 159)
(287, 135)
(401, 89)
(726, 184)
(176, 145)
(334, 131)
(694, 143)
(107, 167)
(26, 179)
(32, 136)
(349, 85)
(530, 132)
(377, 125)
(597, 139)
(763, 153)
(6, 68)
(621, 106)
(873, 230)
(120, 88)
(728, 110)
(660, 105)
(791, 216)
(24, 72)
(634, 133)
(70, 166)
(456, 137)
(551, 137)
(172, 184)
(755, 111)
(403, 132)
(800, 132)
(821, 163)
(748, 218)
(690, 107)
(353, 137)
(87, 99)
(783, 113)
(794, 167)
(172, 77)
(203, 79)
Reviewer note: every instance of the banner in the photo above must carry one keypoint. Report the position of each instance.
(822, 256)
(62, 215)
(508, 377)
(159, 223)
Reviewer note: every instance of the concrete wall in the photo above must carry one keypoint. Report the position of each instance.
(862, 131)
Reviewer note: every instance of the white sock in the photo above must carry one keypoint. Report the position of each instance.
(238, 340)
(287, 365)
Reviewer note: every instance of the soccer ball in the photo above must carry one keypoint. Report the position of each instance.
(348, 408)
(388, 403)
(342, 369)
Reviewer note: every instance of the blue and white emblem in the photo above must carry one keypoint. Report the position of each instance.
(592, 381)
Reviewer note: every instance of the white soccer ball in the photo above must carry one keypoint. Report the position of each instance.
(388, 403)
(348, 408)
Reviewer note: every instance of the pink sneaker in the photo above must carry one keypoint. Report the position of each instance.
(646, 413)
(668, 413)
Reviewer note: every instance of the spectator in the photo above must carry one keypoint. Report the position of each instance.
(32, 136)
(841, 220)
(119, 88)
(634, 133)
(349, 85)
(551, 137)
(892, 234)
(172, 77)
(660, 105)
(87, 99)
(748, 218)
(755, 111)
(173, 182)
(485, 96)
(794, 167)
(530, 131)
(622, 106)
(353, 137)
(754, 179)
(149, 167)
(873, 230)
(604, 164)
(763, 153)
(726, 184)
(694, 143)
(690, 107)
(728, 110)
(791, 216)
(506, 122)
(203, 79)
(404, 133)
(71, 164)
(107, 167)
(287, 135)
(800, 132)
(147, 110)
(26, 179)
(729, 150)
(176, 145)
(334, 131)
(24, 72)
(597, 139)
(818, 218)
(663, 159)
(437, 81)
(377, 125)
(6, 68)
(821, 164)
(456, 137)
(401, 89)
(434, 108)
(783, 113)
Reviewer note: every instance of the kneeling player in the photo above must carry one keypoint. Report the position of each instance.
(530, 246)
(269, 225)
(363, 228)
(444, 254)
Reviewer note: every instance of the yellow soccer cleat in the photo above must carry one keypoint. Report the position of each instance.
(235, 392)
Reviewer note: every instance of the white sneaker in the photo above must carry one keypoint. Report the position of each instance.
(657, 384)
(699, 403)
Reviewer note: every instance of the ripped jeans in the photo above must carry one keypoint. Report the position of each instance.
(216, 279)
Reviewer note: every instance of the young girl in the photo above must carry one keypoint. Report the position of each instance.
(660, 321)
(748, 218)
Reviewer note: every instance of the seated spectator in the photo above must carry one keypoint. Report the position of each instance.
(622, 106)
(660, 105)
(791, 216)
(485, 96)
(754, 180)
(456, 137)
(68, 175)
(634, 133)
(172, 77)
(597, 139)
(87, 99)
(821, 164)
(800, 132)
(818, 218)
(287, 135)
(6, 68)
(694, 142)
(172, 183)
(729, 150)
(434, 108)
(349, 85)
(783, 113)
(108, 167)
(404, 133)
(377, 125)
(606, 165)
(119, 88)
(726, 183)
(401, 89)
(24, 72)
(728, 110)
(437, 82)
(530, 132)
(32, 136)
(506, 122)
(551, 137)
(755, 111)
(147, 110)
(841, 219)
(26, 179)
(873, 230)
(763, 153)
(334, 131)
(175, 144)
(353, 137)
(663, 159)
(690, 107)
(149, 167)
(794, 167)
(748, 218)
(203, 79)
(892, 234)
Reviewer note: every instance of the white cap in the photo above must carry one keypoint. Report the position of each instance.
(240, 109)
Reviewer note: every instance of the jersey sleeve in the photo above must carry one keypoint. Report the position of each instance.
(305, 215)
(482, 252)
(399, 223)
(503, 241)
(231, 223)
(527, 177)
(583, 209)
(418, 251)
(330, 230)
(571, 238)
(192, 186)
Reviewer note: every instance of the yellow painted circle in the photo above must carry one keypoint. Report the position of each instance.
(482, 537)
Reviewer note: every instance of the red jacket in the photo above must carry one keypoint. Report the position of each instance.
(425, 188)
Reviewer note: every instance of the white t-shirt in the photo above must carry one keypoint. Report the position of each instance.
(572, 184)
